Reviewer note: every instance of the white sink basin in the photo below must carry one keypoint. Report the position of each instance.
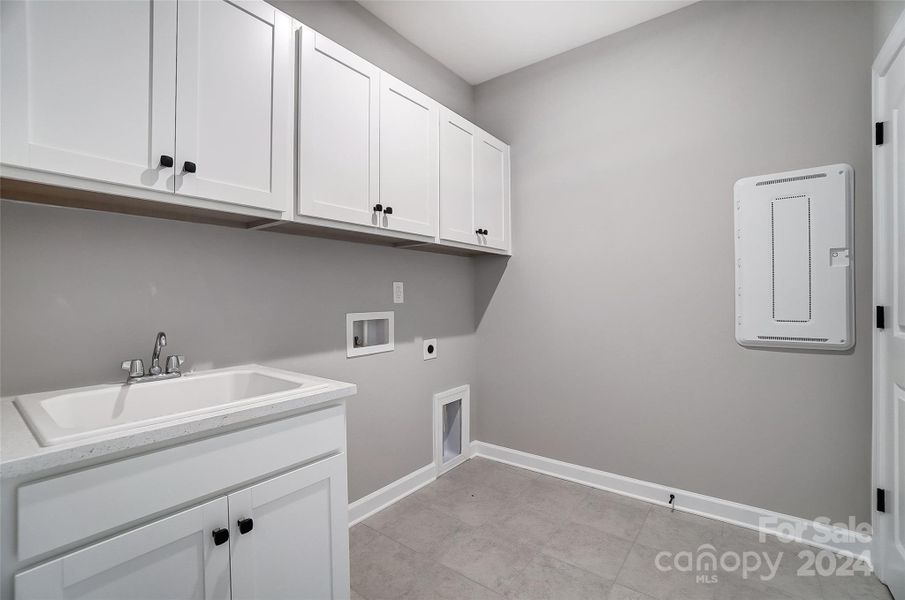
(69, 415)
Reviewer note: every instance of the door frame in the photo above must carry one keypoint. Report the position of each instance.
(894, 43)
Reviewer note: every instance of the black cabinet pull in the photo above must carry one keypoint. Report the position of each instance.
(388, 210)
(478, 231)
(189, 167)
(245, 525)
(166, 161)
(378, 207)
(221, 536)
(485, 232)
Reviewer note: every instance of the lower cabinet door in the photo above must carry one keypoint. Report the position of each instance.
(175, 557)
(290, 535)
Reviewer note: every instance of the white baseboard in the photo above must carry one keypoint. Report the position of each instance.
(836, 539)
(376, 501)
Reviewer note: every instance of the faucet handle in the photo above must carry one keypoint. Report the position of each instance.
(135, 367)
(174, 361)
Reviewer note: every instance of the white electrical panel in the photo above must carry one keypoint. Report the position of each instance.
(794, 259)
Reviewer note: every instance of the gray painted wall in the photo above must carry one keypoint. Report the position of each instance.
(81, 291)
(350, 25)
(608, 339)
(886, 13)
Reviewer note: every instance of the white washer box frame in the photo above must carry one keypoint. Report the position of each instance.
(352, 350)
(794, 259)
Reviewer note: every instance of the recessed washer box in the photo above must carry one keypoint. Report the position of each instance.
(794, 259)
(369, 333)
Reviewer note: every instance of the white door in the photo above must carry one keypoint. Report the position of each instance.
(338, 132)
(457, 138)
(234, 112)
(175, 557)
(889, 292)
(491, 203)
(409, 155)
(296, 535)
(89, 89)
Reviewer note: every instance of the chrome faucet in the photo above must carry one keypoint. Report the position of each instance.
(136, 367)
(159, 343)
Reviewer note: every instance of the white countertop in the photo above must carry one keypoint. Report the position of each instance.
(21, 455)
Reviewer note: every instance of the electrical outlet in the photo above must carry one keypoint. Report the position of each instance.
(398, 292)
(430, 349)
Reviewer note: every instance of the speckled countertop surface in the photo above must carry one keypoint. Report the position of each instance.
(21, 455)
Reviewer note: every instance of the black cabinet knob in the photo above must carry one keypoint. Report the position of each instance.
(478, 231)
(485, 232)
(388, 210)
(378, 207)
(221, 536)
(246, 525)
(166, 161)
(189, 167)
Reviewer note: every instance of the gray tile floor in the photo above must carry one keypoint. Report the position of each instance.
(487, 530)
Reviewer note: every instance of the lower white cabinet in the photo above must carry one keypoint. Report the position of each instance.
(175, 557)
(295, 542)
(286, 537)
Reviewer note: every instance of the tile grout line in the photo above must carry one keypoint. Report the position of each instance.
(630, 548)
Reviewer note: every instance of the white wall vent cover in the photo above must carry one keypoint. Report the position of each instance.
(794, 259)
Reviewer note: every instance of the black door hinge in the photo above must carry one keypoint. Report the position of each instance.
(881, 500)
(881, 317)
(878, 133)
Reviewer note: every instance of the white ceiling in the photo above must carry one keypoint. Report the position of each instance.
(482, 39)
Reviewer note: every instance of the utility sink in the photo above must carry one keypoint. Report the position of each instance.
(70, 415)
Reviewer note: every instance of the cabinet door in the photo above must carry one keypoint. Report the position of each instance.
(89, 89)
(234, 103)
(457, 179)
(409, 155)
(174, 557)
(491, 196)
(338, 132)
(297, 543)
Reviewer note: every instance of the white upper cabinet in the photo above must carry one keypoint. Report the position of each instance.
(234, 103)
(89, 89)
(291, 535)
(175, 557)
(456, 179)
(491, 190)
(409, 155)
(474, 185)
(193, 102)
(338, 132)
